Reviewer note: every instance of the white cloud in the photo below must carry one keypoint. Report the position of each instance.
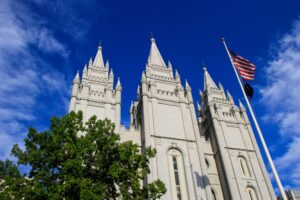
(282, 96)
(27, 38)
(73, 17)
(46, 42)
(25, 76)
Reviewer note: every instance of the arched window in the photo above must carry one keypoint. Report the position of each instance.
(213, 195)
(177, 174)
(244, 166)
(251, 193)
(207, 163)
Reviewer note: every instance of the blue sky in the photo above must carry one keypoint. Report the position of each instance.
(43, 43)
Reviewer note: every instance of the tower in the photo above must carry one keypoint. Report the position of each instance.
(166, 116)
(212, 156)
(235, 166)
(95, 94)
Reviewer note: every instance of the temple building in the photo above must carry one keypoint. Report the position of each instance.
(207, 151)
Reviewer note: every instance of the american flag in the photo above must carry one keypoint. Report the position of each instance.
(244, 66)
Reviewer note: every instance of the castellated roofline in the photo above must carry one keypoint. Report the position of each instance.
(156, 70)
(155, 60)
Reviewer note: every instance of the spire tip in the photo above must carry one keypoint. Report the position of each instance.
(100, 45)
(152, 38)
(204, 67)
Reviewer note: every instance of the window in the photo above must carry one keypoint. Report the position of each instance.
(244, 166)
(213, 195)
(207, 163)
(177, 174)
(251, 193)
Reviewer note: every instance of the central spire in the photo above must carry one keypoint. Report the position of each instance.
(98, 62)
(208, 81)
(155, 57)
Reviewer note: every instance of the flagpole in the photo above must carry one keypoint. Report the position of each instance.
(258, 128)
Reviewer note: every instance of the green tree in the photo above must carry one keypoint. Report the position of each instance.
(73, 160)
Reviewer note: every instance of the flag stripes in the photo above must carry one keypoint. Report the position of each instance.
(245, 68)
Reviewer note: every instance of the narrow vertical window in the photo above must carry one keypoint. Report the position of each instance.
(213, 194)
(207, 163)
(251, 193)
(177, 175)
(244, 166)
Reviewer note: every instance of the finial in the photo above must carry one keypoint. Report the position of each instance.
(220, 86)
(76, 79)
(118, 82)
(176, 73)
(84, 72)
(241, 104)
(111, 74)
(204, 66)
(118, 86)
(200, 94)
(77, 75)
(143, 75)
(152, 38)
(107, 64)
(100, 45)
(198, 106)
(169, 64)
(187, 85)
(90, 62)
(229, 96)
(85, 68)
(131, 105)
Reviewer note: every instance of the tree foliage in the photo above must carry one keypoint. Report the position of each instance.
(73, 160)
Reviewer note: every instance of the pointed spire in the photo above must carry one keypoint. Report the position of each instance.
(177, 76)
(111, 74)
(169, 65)
(155, 57)
(85, 69)
(98, 62)
(76, 79)
(77, 75)
(118, 82)
(138, 90)
(201, 94)
(241, 104)
(118, 86)
(107, 64)
(84, 72)
(90, 62)
(229, 97)
(221, 87)
(131, 106)
(187, 85)
(198, 106)
(208, 81)
(143, 75)
(170, 68)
